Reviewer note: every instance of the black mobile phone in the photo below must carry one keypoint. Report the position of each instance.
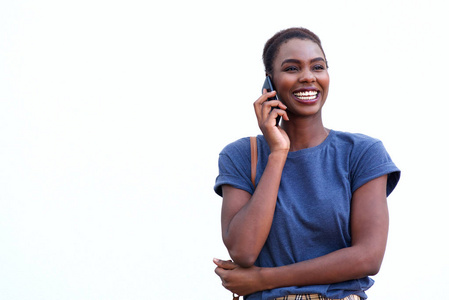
(268, 85)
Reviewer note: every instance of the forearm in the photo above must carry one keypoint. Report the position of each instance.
(249, 228)
(341, 265)
(369, 232)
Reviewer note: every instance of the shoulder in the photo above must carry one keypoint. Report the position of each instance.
(357, 143)
(234, 166)
(238, 147)
(242, 146)
(236, 155)
(356, 139)
(368, 159)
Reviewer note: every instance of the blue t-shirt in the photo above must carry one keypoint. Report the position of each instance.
(313, 207)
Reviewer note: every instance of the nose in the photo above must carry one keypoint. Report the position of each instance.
(307, 76)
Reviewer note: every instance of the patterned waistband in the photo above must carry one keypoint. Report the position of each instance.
(314, 297)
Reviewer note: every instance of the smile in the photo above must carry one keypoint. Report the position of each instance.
(306, 96)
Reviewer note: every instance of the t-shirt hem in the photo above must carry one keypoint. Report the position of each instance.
(384, 169)
(230, 180)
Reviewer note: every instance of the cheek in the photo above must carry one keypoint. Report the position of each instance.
(324, 82)
(284, 83)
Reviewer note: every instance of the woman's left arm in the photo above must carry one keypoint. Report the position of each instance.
(369, 230)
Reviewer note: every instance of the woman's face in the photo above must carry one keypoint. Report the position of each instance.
(300, 77)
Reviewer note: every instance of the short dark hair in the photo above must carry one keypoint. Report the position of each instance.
(272, 46)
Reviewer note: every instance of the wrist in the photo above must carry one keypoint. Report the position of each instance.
(278, 155)
(266, 283)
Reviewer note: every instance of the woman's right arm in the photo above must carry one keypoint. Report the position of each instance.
(246, 219)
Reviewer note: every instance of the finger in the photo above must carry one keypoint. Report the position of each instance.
(275, 103)
(219, 271)
(268, 106)
(272, 106)
(257, 105)
(225, 264)
(280, 113)
(270, 93)
(264, 97)
(271, 120)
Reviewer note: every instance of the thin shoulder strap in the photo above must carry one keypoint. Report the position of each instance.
(253, 141)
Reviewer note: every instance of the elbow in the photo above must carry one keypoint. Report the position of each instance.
(242, 253)
(370, 264)
(372, 269)
(244, 262)
(243, 259)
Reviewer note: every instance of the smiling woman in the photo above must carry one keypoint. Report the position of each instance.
(315, 224)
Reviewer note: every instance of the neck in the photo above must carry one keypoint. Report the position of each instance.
(305, 132)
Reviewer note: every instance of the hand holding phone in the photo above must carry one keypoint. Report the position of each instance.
(276, 137)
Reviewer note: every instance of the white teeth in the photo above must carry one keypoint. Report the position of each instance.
(308, 95)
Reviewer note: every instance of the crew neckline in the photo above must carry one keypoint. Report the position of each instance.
(323, 144)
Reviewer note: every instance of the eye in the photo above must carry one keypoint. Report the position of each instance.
(291, 69)
(319, 67)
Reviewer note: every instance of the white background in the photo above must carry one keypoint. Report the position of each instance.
(112, 115)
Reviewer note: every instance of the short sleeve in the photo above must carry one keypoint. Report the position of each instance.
(373, 162)
(234, 167)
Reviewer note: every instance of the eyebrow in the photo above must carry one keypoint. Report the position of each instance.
(297, 61)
